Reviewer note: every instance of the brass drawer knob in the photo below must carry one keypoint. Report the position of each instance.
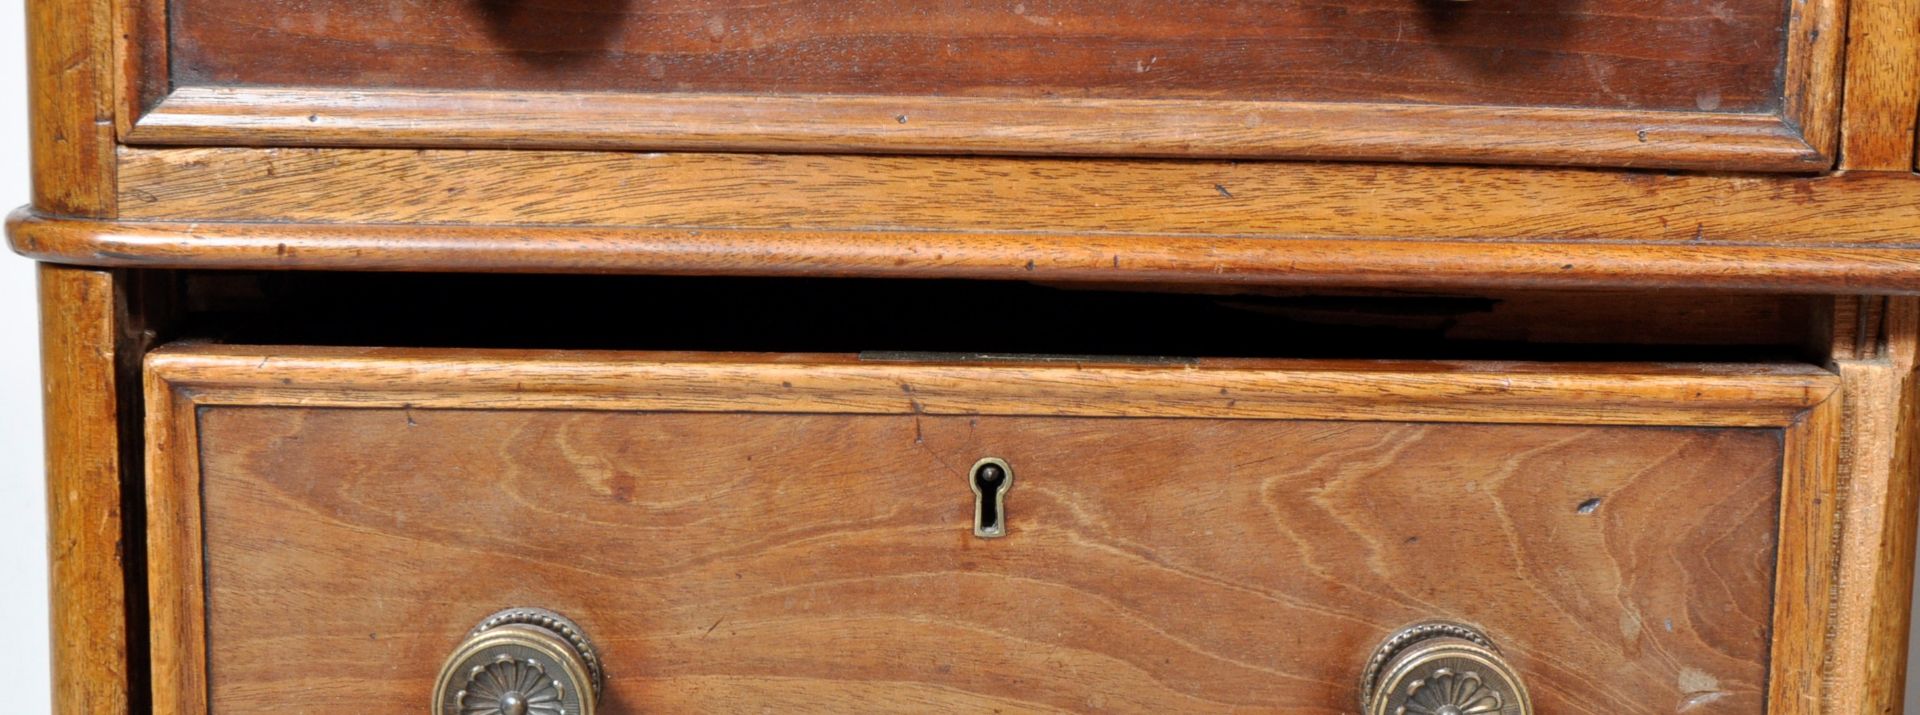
(1441, 668)
(521, 661)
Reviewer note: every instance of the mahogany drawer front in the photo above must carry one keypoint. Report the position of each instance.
(1621, 54)
(1746, 84)
(794, 534)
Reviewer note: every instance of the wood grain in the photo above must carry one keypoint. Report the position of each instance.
(1883, 85)
(1410, 264)
(1811, 81)
(530, 119)
(871, 561)
(79, 341)
(175, 593)
(1868, 671)
(1651, 54)
(1853, 329)
(1806, 574)
(1573, 393)
(1657, 83)
(70, 84)
(1109, 197)
(1110, 595)
(1083, 220)
(1891, 618)
(140, 49)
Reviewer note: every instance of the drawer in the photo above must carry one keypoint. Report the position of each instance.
(748, 533)
(1744, 84)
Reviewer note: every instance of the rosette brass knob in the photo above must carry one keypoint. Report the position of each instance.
(521, 661)
(1441, 668)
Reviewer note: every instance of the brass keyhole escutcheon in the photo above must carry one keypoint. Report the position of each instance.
(990, 478)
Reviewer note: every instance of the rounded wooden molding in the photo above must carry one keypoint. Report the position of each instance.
(1065, 257)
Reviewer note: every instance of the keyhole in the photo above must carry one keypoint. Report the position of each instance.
(991, 478)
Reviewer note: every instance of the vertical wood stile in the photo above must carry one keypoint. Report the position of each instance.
(1883, 85)
(87, 553)
(70, 98)
(1804, 578)
(1867, 662)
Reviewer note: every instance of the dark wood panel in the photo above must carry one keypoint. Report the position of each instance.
(1654, 54)
(737, 562)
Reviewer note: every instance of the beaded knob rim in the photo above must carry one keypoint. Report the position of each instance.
(1407, 637)
(559, 625)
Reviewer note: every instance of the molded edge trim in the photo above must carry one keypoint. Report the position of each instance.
(1068, 257)
(1549, 136)
(1716, 394)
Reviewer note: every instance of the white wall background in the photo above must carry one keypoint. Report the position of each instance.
(23, 512)
(23, 520)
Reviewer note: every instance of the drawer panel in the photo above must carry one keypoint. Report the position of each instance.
(1626, 54)
(1745, 84)
(745, 534)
